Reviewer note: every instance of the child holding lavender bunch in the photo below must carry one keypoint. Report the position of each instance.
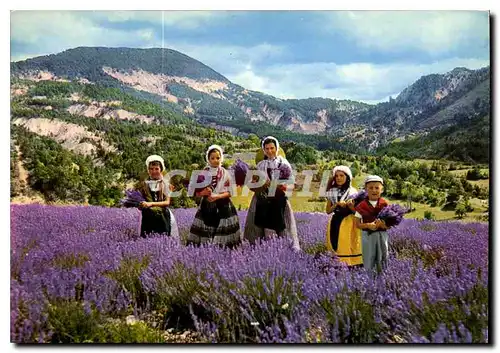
(374, 237)
(269, 208)
(375, 215)
(152, 198)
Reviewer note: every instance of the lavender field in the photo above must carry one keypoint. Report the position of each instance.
(81, 274)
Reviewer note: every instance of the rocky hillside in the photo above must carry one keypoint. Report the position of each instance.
(186, 86)
(80, 142)
(189, 86)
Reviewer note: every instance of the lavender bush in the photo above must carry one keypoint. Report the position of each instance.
(78, 272)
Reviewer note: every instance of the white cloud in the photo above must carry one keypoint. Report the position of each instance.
(180, 19)
(24, 56)
(433, 32)
(229, 59)
(370, 83)
(124, 16)
(55, 31)
(250, 80)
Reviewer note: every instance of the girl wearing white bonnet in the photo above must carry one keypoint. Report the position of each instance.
(216, 220)
(271, 212)
(342, 236)
(156, 216)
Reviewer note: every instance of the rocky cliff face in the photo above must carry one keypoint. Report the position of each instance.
(193, 89)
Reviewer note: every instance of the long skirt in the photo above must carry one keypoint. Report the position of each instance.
(252, 232)
(215, 223)
(344, 239)
(158, 220)
(375, 249)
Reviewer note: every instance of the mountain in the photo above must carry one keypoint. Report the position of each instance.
(434, 103)
(87, 62)
(191, 87)
(80, 142)
(433, 100)
(469, 142)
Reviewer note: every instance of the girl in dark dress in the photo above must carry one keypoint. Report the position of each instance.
(216, 220)
(156, 216)
(271, 211)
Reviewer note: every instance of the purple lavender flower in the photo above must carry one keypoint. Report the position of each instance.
(285, 171)
(200, 179)
(273, 293)
(132, 198)
(392, 215)
(358, 197)
(240, 169)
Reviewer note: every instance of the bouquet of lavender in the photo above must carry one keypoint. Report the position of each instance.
(200, 179)
(240, 169)
(132, 198)
(358, 197)
(392, 214)
(285, 171)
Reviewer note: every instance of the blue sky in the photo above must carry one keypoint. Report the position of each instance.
(359, 55)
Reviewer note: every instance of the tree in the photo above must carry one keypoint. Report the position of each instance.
(301, 153)
(429, 215)
(388, 187)
(398, 188)
(408, 193)
(463, 207)
(254, 139)
(475, 174)
(460, 211)
(452, 198)
(468, 188)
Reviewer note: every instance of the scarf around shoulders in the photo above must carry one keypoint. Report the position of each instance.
(148, 186)
(220, 181)
(336, 194)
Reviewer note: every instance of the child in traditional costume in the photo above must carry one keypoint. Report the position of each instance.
(374, 237)
(342, 235)
(272, 211)
(216, 220)
(156, 216)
